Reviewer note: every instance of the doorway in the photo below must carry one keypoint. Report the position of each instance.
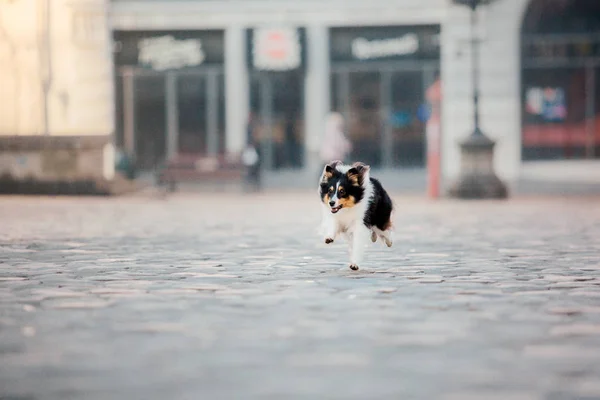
(277, 109)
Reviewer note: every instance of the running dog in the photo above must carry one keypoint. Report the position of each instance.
(355, 206)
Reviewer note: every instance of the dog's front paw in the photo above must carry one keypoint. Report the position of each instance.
(373, 237)
(328, 240)
(354, 267)
(388, 242)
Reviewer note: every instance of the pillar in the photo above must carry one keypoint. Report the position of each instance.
(317, 92)
(236, 89)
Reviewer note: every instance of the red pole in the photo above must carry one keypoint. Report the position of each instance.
(434, 141)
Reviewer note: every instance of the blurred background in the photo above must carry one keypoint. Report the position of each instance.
(96, 92)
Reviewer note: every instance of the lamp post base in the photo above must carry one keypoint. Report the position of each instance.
(478, 179)
(478, 187)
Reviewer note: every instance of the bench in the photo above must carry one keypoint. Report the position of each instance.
(222, 168)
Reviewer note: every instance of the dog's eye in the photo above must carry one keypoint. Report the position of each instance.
(331, 189)
(341, 192)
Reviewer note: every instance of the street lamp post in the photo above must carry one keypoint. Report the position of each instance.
(477, 178)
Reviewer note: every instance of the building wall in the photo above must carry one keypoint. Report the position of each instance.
(78, 69)
(20, 69)
(500, 60)
(135, 14)
(57, 118)
(81, 99)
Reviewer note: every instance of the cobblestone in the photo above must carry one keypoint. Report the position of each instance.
(218, 296)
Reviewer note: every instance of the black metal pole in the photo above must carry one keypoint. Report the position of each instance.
(475, 69)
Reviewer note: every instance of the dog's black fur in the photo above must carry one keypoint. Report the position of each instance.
(379, 211)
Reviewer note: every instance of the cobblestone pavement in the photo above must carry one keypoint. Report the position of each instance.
(224, 296)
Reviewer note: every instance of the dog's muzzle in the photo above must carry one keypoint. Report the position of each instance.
(336, 209)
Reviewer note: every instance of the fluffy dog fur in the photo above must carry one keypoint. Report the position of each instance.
(355, 206)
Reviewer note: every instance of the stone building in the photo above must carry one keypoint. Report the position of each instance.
(156, 78)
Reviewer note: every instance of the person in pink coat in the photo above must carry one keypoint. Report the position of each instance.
(335, 145)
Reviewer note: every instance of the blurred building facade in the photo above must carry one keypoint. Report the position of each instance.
(284, 65)
(56, 118)
(164, 77)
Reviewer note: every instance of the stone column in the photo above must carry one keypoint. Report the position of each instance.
(317, 92)
(236, 89)
(82, 91)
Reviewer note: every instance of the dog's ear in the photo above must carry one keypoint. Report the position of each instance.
(357, 173)
(330, 168)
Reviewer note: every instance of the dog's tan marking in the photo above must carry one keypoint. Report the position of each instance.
(329, 169)
(353, 178)
(348, 202)
(357, 172)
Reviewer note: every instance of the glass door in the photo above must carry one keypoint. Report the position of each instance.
(408, 118)
(192, 114)
(363, 117)
(386, 113)
(162, 115)
(277, 108)
(200, 113)
(149, 120)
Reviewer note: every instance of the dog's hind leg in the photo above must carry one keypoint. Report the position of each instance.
(386, 236)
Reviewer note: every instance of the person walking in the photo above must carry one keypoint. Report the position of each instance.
(335, 145)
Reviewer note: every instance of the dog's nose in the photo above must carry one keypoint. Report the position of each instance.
(332, 203)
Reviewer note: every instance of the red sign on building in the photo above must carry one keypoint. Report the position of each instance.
(276, 49)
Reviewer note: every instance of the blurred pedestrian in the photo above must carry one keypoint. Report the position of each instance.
(335, 145)
(251, 158)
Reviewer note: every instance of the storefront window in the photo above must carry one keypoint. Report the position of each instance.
(386, 115)
(378, 83)
(554, 117)
(560, 90)
(170, 94)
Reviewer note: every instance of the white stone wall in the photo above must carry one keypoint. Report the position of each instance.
(500, 84)
(20, 69)
(80, 99)
(133, 14)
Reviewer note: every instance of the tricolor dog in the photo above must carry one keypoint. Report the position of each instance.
(355, 206)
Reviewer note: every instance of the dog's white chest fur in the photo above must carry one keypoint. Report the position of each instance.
(345, 220)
